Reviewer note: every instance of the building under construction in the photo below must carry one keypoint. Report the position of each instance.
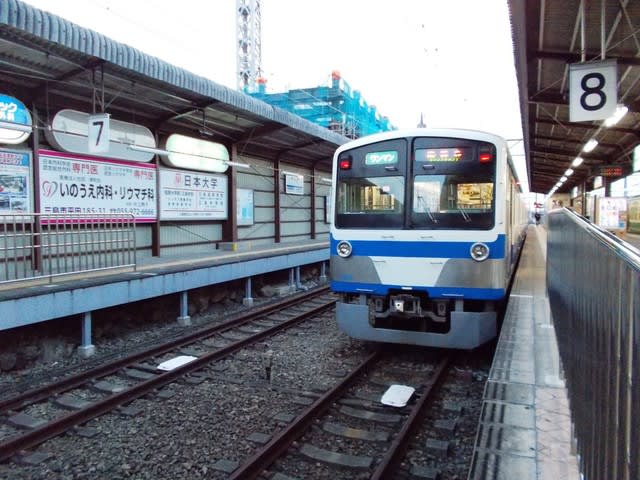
(336, 107)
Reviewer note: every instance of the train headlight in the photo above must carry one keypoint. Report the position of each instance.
(344, 249)
(479, 252)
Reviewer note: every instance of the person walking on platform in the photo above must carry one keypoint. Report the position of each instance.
(537, 217)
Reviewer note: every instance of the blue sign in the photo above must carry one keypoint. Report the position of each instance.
(13, 111)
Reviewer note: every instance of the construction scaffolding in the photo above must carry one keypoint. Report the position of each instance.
(336, 107)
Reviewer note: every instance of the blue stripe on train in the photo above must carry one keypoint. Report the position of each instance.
(426, 249)
(433, 292)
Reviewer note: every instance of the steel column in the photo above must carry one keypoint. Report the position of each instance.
(184, 319)
(86, 348)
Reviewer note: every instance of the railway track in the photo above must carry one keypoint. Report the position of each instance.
(75, 400)
(302, 444)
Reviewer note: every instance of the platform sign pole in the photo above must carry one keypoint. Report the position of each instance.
(593, 90)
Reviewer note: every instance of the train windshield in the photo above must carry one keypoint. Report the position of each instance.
(417, 183)
(452, 201)
(453, 184)
(371, 202)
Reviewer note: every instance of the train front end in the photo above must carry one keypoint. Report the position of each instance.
(419, 243)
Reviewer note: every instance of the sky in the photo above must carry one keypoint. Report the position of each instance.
(449, 60)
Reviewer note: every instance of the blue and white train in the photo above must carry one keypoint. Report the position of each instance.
(426, 230)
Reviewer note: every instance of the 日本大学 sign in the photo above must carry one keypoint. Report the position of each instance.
(189, 195)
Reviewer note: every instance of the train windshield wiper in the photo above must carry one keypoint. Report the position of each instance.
(427, 210)
(465, 215)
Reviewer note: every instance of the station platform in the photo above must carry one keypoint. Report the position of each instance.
(525, 429)
(36, 300)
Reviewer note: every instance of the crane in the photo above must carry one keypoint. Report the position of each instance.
(249, 59)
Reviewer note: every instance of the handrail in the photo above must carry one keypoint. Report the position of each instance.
(46, 245)
(593, 282)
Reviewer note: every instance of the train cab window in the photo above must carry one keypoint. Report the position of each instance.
(371, 184)
(453, 184)
(371, 202)
(452, 202)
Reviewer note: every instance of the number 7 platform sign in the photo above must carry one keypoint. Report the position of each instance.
(593, 90)
(99, 134)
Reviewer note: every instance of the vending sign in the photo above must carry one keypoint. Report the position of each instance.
(77, 184)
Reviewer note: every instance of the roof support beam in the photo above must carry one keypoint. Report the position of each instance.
(576, 142)
(588, 126)
(569, 57)
(561, 99)
(562, 152)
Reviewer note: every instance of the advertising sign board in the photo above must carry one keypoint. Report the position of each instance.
(78, 184)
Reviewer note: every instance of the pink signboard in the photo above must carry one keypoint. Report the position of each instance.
(78, 184)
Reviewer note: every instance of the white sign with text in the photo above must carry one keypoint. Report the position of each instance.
(186, 195)
(593, 90)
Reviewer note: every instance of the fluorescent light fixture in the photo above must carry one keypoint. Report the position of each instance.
(568, 172)
(142, 148)
(563, 179)
(590, 145)
(577, 162)
(17, 127)
(234, 164)
(159, 151)
(621, 111)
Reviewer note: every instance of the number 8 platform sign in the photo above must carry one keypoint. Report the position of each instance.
(593, 90)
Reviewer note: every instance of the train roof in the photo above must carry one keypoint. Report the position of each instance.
(424, 132)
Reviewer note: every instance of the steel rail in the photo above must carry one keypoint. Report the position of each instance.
(262, 459)
(38, 435)
(41, 393)
(395, 453)
(280, 443)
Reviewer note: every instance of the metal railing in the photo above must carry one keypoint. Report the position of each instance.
(37, 245)
(593, 281)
